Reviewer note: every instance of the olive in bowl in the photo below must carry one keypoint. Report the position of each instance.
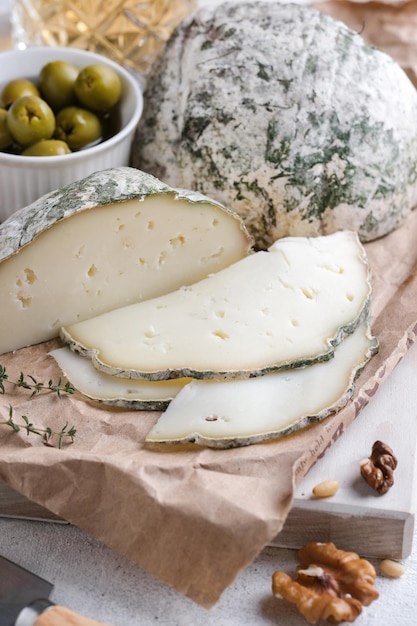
(78, 127)
(30, 119)
(26, 177)
(57, 83)
(17, 88)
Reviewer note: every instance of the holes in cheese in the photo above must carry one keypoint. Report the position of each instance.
(223, 414)
(288, 306)
(118, 236)
(112, 390)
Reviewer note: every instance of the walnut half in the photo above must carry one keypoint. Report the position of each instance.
(378, 470)
(331, 584)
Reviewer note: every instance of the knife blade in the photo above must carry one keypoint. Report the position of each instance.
(24, 600)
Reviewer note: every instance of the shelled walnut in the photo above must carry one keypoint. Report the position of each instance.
(331, 584)
(378, 469)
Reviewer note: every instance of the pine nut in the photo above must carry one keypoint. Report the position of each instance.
(326, 489)
(391, 569)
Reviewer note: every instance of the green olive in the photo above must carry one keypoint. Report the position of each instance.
(6, 138)
(98, 87)
(30, 119)
(78, 127)
(17, 88)
(56, 83)
(47, 147)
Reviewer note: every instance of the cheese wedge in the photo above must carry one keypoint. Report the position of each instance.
(116, 237)
(224, 414)
(112, 390)
(275, 309)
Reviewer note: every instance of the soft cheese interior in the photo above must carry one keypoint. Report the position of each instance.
(283, 307)
(109, 256)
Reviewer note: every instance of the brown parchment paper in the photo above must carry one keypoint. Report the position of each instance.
(193, 517)
(388, 25)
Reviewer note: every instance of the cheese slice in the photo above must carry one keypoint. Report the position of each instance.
(284, 307)
(112, 390)
(223, 414)
(116, 237)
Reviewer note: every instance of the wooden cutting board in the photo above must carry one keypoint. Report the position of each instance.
(355, 518)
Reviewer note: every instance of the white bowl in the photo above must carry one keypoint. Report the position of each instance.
(24, 179)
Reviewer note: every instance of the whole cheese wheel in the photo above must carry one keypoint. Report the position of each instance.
(285, 116)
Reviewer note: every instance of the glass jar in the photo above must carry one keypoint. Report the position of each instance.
(129, 32)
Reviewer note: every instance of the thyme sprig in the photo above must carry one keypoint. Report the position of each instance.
(47, 433)
(29, 383)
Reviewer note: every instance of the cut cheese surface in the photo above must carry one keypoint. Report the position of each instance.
(112, 390)
(224, 414)
(273, 309)
(117, 237)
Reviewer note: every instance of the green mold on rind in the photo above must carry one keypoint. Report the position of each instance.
(287, 117)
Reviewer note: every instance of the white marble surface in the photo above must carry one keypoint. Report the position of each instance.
(98, 583)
